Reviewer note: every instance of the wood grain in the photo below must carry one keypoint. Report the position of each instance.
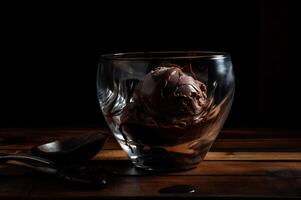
(228, 140)
(246, 164)
(213, 155)
(214, 178)
(148, 186)
(240, 156)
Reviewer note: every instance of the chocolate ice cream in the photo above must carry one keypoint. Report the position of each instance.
(168, 107)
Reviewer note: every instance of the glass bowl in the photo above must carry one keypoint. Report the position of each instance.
(165, 109)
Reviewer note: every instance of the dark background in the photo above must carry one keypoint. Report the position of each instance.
(48, 68)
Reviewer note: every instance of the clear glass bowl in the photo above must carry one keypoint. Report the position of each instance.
(165, 108)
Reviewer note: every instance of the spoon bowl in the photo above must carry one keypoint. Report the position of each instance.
(72, 150)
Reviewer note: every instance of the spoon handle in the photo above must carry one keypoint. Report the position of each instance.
(45, 166)
(37, 163)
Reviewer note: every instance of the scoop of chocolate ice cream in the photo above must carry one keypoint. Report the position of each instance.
(168, 108)
(168, 93)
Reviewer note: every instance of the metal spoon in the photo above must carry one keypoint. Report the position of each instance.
(54, 154)
(85, 176)
(72, 150)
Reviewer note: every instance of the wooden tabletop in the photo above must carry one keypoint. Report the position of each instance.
(241, 164)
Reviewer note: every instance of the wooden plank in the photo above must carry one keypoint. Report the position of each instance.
(254, 156)
(31, 136)
(214, 178)
(19, 189)
(206, 168)
(212, 155)
(288, 145)
(229, 140)
(239, 156)
(272, 144)
(242, 163)
(212, 168)
(148, 186)
(41, 135)
(15, 182)
(221, 144)
(245, 168)
(259, 133)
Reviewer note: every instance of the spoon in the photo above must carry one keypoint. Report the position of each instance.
(72, 150)
(68, 151)
(85, 176)
(50, 157)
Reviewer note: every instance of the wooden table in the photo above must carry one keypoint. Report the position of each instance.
(242, 164)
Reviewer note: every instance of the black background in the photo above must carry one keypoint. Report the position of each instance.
(48, 68)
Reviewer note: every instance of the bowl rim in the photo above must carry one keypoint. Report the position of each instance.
(164, 55)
